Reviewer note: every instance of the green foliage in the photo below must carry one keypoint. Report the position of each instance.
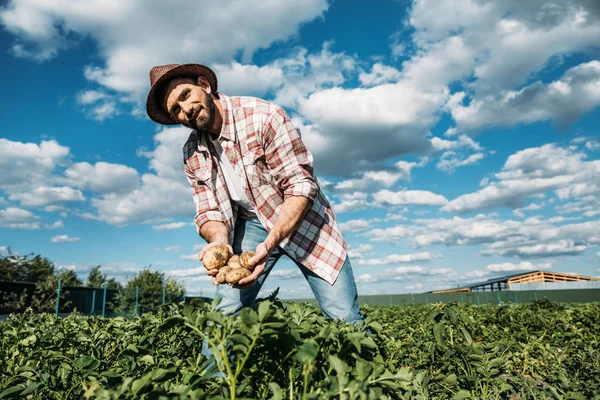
(286, 350)
(69, 278)
(96, 279)
(150, 284)
(28, 268)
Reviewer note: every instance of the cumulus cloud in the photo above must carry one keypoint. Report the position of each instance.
(522, 266)
(562, 101)
(532, 172)
(174, 249)
(380, 74)
(170, 226)
(103, 177)
(400, 258)
(161, 195)
(359, 252)
(18, 218)
(64, 239)
(24, 164)
(46, 195)
(122, 29)
(386, 198)
(350, 202)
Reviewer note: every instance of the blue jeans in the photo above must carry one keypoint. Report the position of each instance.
(337, 301)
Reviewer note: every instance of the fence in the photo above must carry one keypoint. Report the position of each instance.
(18, 296)
(498, 297)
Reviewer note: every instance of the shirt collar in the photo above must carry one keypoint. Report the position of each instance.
(228, 126)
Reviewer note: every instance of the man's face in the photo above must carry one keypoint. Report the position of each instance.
(188, 102)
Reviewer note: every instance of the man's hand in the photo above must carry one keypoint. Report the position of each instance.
(213, 272)
(263, 253)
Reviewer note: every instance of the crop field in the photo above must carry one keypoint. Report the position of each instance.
(281, 350)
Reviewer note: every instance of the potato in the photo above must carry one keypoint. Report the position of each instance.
(216, 257)
(236, 274)
(245, 257)
(221, 275)
(234, 262)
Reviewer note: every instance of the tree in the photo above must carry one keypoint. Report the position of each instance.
(69, 278)
(96, 279)
(28, 268)
(150, 284)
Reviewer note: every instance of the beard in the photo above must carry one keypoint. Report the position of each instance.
(207, 123)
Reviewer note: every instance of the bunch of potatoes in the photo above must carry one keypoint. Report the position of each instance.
(231, 270)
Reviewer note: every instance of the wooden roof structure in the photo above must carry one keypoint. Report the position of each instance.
(503, 283)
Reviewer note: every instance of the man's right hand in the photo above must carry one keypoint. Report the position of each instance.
(213, 272)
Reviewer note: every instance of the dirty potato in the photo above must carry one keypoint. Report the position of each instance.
(245, 257)
(222, 274)
(236, 274)
(234, 262)
(216, 257)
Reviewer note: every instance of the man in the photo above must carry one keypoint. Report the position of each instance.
(253, 185)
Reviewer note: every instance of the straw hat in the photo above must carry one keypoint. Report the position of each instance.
(162, 74)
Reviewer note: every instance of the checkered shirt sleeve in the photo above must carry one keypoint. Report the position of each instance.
(289, 160)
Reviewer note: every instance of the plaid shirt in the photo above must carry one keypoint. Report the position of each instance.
(265, 147)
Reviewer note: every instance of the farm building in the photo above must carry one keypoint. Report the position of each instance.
(534, 280)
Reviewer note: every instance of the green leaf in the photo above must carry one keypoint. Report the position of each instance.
(248, 317)
(438, 331)
(148, 359)
(170, 323)
(132, 347)
(141, 386)
(307, 353)
(263, 310)
(162, 375)
(466, 335)
(11, 391)
(29, 340)
(337, 364)
(83, 362)
(277, 392)
(30, 388)
(363, 369)
(368, 342)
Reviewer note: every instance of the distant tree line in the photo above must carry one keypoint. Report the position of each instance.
(42, 272)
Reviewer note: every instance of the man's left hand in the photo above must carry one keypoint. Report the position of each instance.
(263, 253)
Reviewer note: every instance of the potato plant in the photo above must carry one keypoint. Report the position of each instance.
(287, 350)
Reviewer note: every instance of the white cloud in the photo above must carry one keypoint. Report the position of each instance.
(103, 177)
(562, 101)
(532, 172)
(359, 252)
(350, 202)
(160, 196)
(126, 33)
(355, 225)
(191, 257)
(522, 239)
(285, 274)
(386, 198)
(170, 226)
(592, 145)
(400, 258)
(380, 74)
(46, 195)
(522, 266)
(511, 39)
(17, 218)
(418, 286)
(64, 239)
(450, 161)
(368, 126)
(173, 249)
(25, 164)
(518, 212)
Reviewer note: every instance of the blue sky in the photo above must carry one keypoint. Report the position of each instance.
(457, 140)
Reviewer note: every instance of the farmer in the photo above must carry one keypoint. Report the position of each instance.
(253, 184)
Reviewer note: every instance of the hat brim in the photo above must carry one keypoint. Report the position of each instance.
(154, 107)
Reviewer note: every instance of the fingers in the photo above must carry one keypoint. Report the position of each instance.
(251, 280)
